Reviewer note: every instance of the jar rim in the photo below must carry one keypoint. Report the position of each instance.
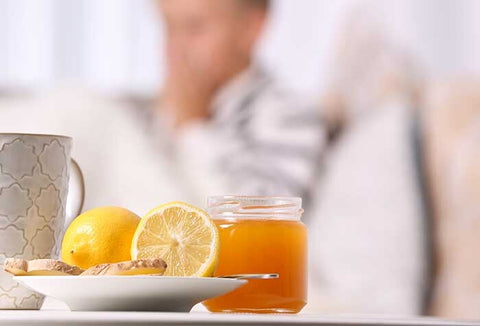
(255, 207)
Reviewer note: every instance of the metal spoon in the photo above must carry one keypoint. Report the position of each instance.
(251, 276)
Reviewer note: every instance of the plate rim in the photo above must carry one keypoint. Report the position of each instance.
(116, 277)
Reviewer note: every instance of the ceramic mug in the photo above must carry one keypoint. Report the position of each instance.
(34, 184)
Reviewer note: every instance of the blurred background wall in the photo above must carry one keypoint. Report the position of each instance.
(114, 45)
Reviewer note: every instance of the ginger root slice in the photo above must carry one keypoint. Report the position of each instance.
(36, 267)
(44, 266)
(133, 267)
(52, 267)
(16, 266)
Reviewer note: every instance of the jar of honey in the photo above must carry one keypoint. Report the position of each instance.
(261, 235)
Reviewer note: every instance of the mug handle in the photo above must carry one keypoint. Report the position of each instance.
(76, 193)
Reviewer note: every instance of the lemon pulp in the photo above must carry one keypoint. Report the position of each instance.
(182, 235)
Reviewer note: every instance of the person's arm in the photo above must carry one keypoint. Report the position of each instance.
(271, 146)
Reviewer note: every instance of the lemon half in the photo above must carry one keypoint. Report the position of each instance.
(182, 235)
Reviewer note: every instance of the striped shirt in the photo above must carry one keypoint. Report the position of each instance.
(261, 140)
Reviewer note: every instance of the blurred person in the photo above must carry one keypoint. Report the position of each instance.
(234, 129)
(220, 125)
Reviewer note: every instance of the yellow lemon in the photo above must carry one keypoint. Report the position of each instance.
(101, 235)
(182, 235)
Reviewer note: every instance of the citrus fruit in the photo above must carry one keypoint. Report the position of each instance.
(182, 235)
(101, 235)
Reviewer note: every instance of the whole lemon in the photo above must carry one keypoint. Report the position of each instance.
(100, 235)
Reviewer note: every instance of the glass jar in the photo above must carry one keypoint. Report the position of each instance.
(261, 235)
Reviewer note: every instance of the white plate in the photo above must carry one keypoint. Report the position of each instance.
(130, 293)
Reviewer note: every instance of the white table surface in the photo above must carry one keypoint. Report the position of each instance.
(63, 317)
(55, 313)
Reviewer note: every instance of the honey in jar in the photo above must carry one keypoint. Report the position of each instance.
(261, 235)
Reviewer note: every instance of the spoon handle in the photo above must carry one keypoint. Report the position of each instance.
(251, 276)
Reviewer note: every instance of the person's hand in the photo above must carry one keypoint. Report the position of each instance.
(188, 91)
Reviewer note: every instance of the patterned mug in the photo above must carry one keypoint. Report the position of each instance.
(34, 183)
